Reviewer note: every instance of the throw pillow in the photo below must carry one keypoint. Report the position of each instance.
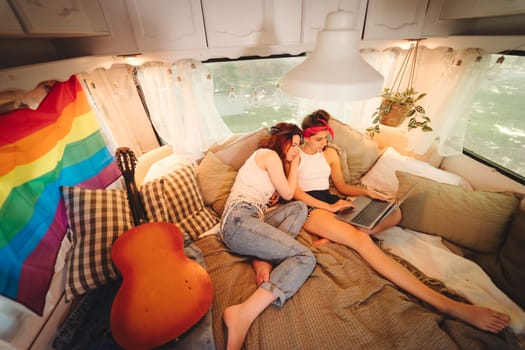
(382, 176)
(236, 152)
(477, 220)
(360, 152)
(165, 166)
(215, 180)
(96, 218)
(506, 268)
(184, 203)
(146, 160)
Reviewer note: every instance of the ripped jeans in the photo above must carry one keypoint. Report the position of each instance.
(272, 240)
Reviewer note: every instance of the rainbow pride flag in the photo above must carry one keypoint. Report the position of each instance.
(59, 144)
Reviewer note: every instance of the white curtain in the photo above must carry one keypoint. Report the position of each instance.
(384, 62)
(451, 96)
(450, 79)
(179, 97)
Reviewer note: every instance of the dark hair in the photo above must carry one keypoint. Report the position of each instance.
(313, 119)
(280, 138)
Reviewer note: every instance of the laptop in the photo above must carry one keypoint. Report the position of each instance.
(368, 212)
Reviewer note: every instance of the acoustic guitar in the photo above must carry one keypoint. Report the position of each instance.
(163, 292)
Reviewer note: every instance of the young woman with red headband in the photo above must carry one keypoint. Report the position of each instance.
(323, 223)
(320, 163)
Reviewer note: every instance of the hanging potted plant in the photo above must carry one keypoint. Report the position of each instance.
(398, 104)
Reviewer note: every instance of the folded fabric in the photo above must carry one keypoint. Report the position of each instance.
(465, 277)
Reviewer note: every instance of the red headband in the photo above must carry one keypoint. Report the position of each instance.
(315, 129)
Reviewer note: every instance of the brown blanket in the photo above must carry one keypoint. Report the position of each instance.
(344, 305)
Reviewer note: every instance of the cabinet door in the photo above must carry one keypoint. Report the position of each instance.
(61, 17)
(8, 22)
(315, 12)
(167, 24)
(481, 8)
(400, 19)
(231, 23)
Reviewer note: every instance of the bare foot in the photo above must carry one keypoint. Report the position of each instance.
(262, 271)
(237, 327)
(482, 317)
(320, 241)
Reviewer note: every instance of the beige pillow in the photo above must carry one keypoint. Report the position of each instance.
(215, 180)
(342, 159)
(476, 220)
(358, 152)
(149, 158)
(235, 153)
(506, 268)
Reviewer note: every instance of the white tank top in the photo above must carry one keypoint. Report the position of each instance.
(314, 172)
(252, 183)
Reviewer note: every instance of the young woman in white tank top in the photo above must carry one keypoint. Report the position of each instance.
(269, 237)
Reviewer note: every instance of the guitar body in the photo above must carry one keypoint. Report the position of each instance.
(163, 292)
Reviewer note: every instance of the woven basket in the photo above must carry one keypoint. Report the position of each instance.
(396, 116)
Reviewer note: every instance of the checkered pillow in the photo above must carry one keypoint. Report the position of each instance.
(96, 219)
(184, 202)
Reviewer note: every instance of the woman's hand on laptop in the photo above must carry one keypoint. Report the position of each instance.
(378, 195)
(341, 205)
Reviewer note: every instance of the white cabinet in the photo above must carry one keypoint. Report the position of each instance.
(453, 9)
(8, 22)
(407, 19)
(60, 17)
(160, 25)
(315, 12)
(400, 19)
(251, 23)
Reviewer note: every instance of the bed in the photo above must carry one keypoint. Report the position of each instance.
(343, 305)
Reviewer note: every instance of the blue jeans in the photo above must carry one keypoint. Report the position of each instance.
(272, 240)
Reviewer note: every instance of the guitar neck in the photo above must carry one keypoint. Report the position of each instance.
(126, 162)
(135, 203)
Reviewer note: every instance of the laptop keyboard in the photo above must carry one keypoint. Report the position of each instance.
(370, 213)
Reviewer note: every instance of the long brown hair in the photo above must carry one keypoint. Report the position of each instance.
(280, 138)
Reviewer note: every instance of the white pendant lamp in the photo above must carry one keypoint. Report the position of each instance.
(334, 70)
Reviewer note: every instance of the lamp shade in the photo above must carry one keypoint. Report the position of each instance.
(334, 70)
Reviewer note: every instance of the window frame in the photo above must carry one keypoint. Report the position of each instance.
(485, 161)
(502, 170)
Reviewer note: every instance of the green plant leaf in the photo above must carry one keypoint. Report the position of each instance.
(421, 96)
(406, 98)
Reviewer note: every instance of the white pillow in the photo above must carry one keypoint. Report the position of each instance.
(166, 166)
(382, 176)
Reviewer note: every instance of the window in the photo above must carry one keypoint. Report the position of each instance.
(248, 93)
(496, 127)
